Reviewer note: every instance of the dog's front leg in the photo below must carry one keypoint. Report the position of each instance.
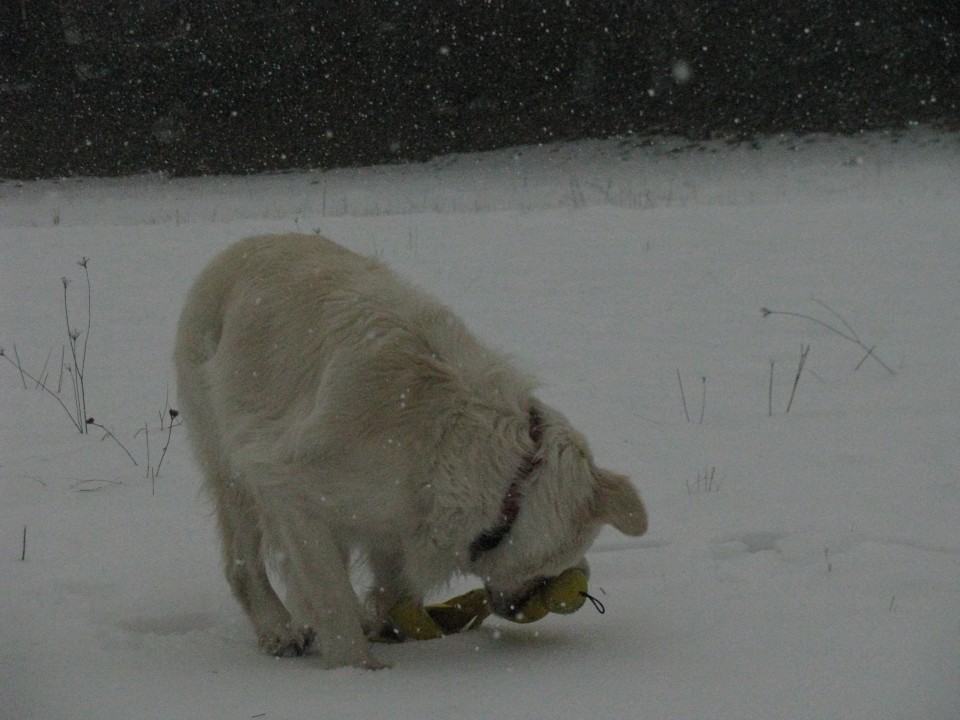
(389, 588)
(321, 596)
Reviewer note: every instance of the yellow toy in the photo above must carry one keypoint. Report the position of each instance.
(564, 594)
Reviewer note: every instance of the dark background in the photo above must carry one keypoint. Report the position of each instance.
(113, 87)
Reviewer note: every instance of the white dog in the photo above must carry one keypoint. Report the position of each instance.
(334, 408)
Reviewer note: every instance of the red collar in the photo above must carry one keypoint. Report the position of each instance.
(510, 507)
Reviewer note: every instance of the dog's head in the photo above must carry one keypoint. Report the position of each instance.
(564, 501)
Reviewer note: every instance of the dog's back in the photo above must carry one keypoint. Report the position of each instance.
(280, 328)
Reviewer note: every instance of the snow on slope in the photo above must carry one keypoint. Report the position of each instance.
(801, 565)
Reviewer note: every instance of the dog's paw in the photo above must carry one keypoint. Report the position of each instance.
(286, 641)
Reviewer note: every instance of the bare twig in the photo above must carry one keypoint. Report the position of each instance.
(863, 359)
(19, 366)
(79, 391)
(43, 372)
(804, 351)
(173, 416)
(90, 421)
(45, 388)
(706, 482)
(76, 398)
(709, 480)
(93, 484)
(63, 354)
(23, 550)
(850, 334)
(770, 392)
(837, 315)
(73, 351)
(766, 312)
(83, 360)
(703, 399)
(146, 433)
(683, 398)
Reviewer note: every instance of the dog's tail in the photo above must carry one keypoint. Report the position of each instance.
(201, 322)
(198, 337)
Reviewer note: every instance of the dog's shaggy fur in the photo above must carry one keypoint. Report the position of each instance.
(335, 409)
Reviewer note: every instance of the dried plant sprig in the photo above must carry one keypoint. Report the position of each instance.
(850, 334)
(170, 426)
(770, 391)
(108, 433)
(79, 361)
(683, 397)
(804, 351)
(44, 388)
(19, 365)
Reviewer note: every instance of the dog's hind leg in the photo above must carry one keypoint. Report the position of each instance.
(247, 573)
(319, 591)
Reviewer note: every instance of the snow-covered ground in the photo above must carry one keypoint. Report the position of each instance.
(799, 565)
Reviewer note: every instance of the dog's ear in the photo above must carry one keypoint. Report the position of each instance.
(616, 502)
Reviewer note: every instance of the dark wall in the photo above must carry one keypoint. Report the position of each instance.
(208, 86)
